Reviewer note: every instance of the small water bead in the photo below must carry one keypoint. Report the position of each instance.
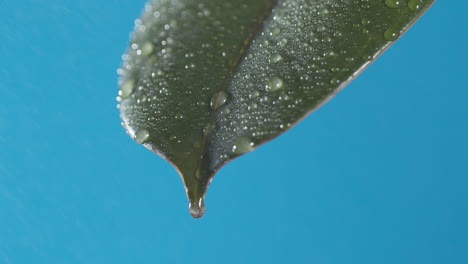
(126, 88)
(283, 42)
(334, 81)
(243, 145)
(275, 31)
(179, 116)
(391, 34)
(218, 99)
(254, 94)
(226, 111)
(265, 43)
(141, 136)
(393, 3)
(414, 5)
(275, 83)
(252, 106)
(274, 58)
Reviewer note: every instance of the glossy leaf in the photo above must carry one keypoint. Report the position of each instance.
(205, 81)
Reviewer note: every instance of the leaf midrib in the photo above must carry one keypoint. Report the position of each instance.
(231, 72)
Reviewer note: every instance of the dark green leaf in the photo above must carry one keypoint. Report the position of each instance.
(205, 81)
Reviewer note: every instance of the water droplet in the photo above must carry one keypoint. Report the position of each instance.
(141, 136)
(146, 49)
(334, 81)
(254, 94)
(243, 145)
(393, 3)
(226, 111)
(275, 58)
(414, 5)
(197, 209)
(391, 34)
(218, 99)
(283, 42)
(275, 31)
(126, 88)
(209, 128)
(179, 116)
(275, 83)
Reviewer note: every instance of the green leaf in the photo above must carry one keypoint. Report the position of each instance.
(205, 81)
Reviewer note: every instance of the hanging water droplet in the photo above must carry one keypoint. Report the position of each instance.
(275, 58)
(141, 136)
(275, 83)
(243, 145)
(391, 34)
(197, 208)
(218, 99)
(126, 88)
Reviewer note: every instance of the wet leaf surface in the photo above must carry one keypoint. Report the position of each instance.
(205, 81)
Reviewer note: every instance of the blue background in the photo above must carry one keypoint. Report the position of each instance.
(377, 175)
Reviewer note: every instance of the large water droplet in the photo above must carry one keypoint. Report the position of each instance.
(275, 83)
(391, 34)
(197, 208)
(126, 88)
(243, 145)
(218, 99)
(141, 136)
